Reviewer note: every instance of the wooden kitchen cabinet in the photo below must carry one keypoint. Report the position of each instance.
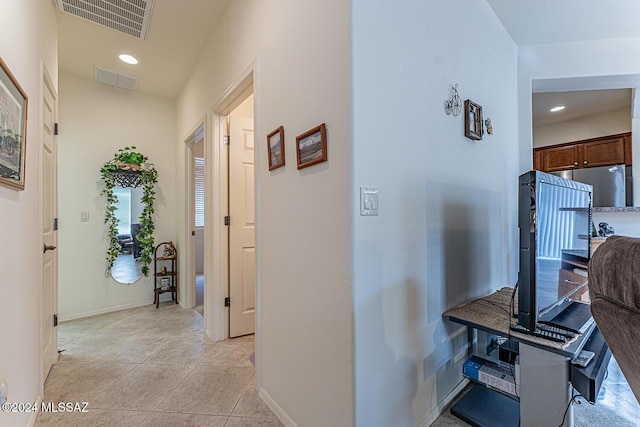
(603, 151)
(537, 160)
(560, 158)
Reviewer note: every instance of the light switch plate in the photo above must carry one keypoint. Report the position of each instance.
(84, 216)
(368, 201)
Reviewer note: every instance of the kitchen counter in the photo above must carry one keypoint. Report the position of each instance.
(625, 209)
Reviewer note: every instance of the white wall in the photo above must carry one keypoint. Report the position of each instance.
(301, 56)
(29, 34)
(95, 121)
(200, 236)
(603, 124)
(446, 230)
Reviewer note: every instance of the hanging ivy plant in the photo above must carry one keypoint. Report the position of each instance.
(131, 169)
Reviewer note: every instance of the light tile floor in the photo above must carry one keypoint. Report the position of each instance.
(153, 367)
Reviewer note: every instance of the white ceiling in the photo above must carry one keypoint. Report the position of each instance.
(178, 33)
(180, 29)
(556, 21)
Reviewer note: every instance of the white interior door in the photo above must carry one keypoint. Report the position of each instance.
(242, 251)
(49, 233)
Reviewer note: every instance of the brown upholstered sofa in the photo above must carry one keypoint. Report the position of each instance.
(614, 288)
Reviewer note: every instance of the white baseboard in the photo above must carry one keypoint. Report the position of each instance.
(104, 310)
(435, 412)
(276, 409)
(425, 422)
(32, 418)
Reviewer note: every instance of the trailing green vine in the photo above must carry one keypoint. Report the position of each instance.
(129, 162)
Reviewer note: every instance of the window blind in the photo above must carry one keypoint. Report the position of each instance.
(199, 192)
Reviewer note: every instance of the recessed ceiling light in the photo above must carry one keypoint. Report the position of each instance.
(558, 108)
(128, 59)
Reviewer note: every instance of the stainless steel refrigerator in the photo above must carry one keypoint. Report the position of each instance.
(611, 184)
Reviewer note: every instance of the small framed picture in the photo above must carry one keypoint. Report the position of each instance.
(13, 129)
(275, 141)
(472, 120)
(164, 283)
(311, 147)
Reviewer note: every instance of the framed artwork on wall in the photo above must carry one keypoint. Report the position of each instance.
(275, 142)
(13, 129)
(472, 120)
(311, 147)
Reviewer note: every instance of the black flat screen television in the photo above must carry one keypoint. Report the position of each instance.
(554, 218)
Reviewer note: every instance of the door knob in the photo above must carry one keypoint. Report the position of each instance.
(48, 248)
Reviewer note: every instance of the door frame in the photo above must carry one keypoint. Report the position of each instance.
(217, 236)
(199, 133)
(45, 80)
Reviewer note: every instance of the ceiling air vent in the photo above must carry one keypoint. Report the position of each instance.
(130, 17)
(114, 78)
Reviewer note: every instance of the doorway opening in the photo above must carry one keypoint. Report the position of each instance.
(199, 207)
(219, 236)
(589, 98)
(195, 218)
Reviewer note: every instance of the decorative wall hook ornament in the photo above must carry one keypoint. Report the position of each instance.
(453, 105)
(489, 126)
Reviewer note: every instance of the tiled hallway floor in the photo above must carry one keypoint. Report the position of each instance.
(153, 367)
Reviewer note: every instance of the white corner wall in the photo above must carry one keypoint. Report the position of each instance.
(95, 121)
(29, 35)
(446, 230)
(300, 54)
